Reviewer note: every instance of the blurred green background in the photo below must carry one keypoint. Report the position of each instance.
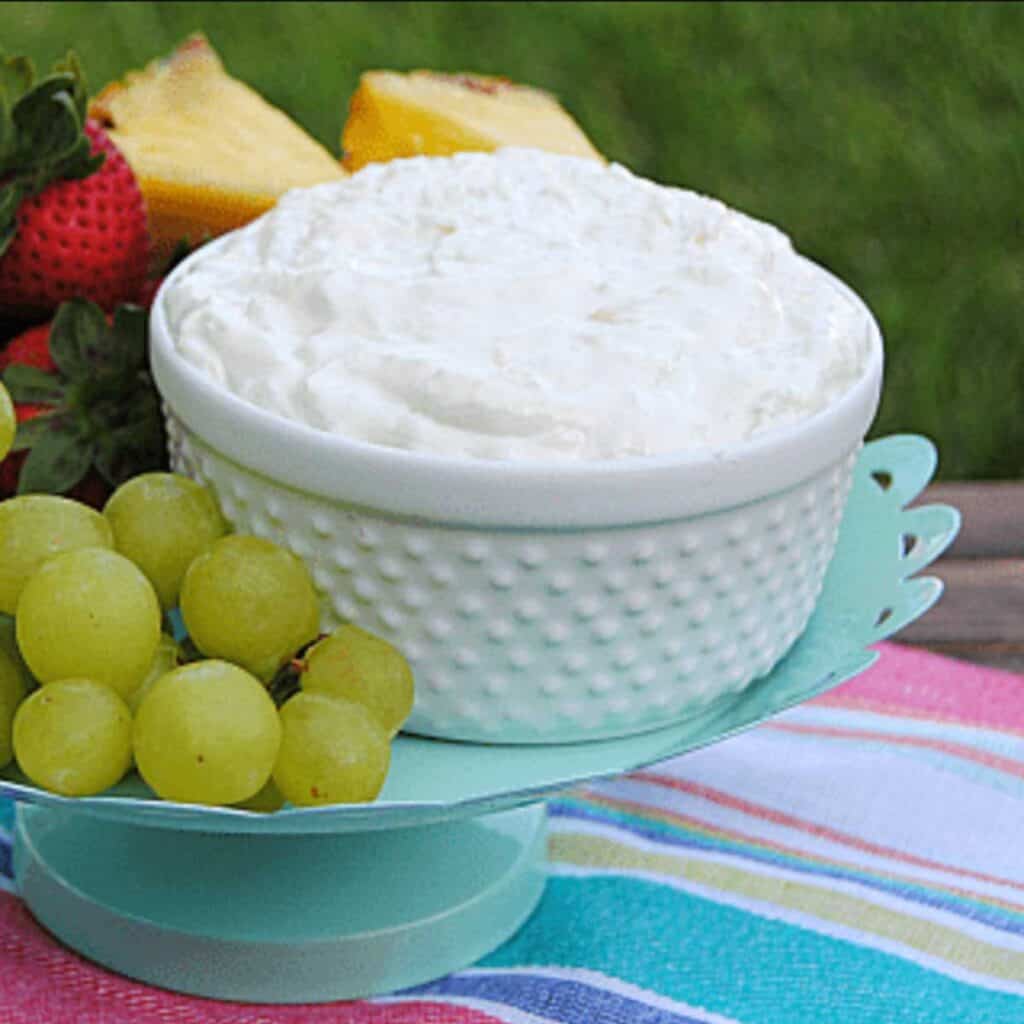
(886, 139)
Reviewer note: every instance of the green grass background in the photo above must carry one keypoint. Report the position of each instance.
(886, 139)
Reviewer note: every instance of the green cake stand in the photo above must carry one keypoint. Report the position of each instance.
(317, 904)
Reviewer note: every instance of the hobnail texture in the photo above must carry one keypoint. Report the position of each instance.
(554, 635)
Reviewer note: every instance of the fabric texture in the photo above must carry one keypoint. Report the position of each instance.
(858, 859)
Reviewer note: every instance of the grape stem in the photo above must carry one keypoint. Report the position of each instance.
(287, 681)
(188, 652)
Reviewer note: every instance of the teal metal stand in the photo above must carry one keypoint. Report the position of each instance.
(281, 919)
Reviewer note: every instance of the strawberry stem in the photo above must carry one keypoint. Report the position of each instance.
(42, 134)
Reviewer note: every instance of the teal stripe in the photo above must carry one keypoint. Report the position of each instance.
(929, 894)
(756, 970)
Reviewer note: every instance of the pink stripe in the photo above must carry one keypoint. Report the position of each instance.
(1003, 764)
(907, 681)
(716, 796)
(40, 980)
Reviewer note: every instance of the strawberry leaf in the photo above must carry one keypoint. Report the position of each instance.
(77, 337)
(42, 129)
(8, 136)
(130, 338)
(125, 453)
(80, 161)
(30, 431)
(46, 122)
(32, 386)
(7, 232)
(10, 199)
(72, 67)
(56, 462)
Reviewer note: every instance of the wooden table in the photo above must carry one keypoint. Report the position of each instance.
(980, 616)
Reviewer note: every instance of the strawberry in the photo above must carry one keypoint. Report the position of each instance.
(72, 217)
(88, 413)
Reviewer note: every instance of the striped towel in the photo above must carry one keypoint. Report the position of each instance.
(858, 860)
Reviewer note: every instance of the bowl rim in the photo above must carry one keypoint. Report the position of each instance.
(551, 493)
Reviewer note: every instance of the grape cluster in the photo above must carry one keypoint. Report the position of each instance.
(252, 709)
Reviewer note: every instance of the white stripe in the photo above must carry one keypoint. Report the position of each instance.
(608, 983)
(829, 929)
(978, 930)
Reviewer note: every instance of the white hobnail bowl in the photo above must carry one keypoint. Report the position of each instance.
(540, 602)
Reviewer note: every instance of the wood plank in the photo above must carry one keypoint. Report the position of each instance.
(993, 517)
(982, 606)
(991, 658)
(980, 617)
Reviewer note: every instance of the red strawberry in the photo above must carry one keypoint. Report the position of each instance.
(30, 348)
(88, 414)
(72, 217)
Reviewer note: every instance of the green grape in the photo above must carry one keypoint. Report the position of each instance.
(73, 737)
(164, 660)
(248, 601)
(161, 521)
(9, 645)
(206, 733)
(266, 801)
(89, 613)
(333, 751)
(8, 422)
(12, 691)
(8, 641)
(35, 527)
(359, 666)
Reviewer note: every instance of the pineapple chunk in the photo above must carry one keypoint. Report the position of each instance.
(210, 154)
(429, 113)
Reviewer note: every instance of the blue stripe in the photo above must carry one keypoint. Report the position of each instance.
(753, 969)
(6, 823)
(995, 917)
(556, 999)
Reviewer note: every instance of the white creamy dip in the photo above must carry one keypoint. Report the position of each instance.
(517, 305)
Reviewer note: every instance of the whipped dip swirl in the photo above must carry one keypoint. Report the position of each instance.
(517, 305)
